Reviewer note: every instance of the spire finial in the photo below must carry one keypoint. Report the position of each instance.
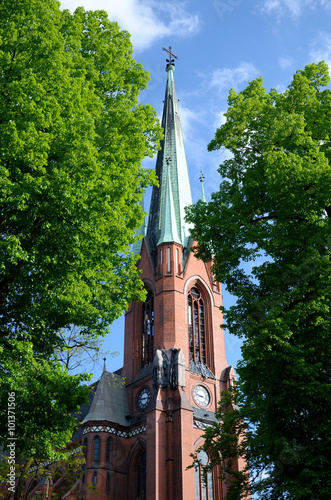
(172, 57)
(201, 178)
(104, 365)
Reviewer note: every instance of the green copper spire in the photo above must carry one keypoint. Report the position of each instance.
(136, 247)
(166, 217)
(168, 225)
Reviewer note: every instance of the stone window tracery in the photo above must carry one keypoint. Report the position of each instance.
(196, 326)
(203, 488)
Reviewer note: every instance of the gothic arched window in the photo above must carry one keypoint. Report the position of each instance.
(108, 483)
(108, 450)
(95, 479)
(147, 340)
(203, 487)
(196, 326)
(140, 479)
(96, 450)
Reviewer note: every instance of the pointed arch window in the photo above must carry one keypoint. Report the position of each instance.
(147, 341)
(96, 449)
(108, 450)
(168, 260)
(196, 326)
(140, 477)
(203, 486)
(95, 479)
(108, 483)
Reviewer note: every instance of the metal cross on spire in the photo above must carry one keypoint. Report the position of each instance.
(171, 55)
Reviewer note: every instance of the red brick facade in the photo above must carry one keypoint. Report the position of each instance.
(166, 430)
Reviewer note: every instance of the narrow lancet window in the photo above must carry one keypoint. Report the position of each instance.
(168, 261)
(108, 450)
(148, 330)
(141, 477)
(96, 450)
(196, 326)
(95, 479)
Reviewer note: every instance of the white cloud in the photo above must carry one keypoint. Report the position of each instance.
(280, 88)
(226, 78)
(220, 119)
(145, 20)
(192, 122)
(285, 62)
(321, 49)
(282, 6)
(293, 7)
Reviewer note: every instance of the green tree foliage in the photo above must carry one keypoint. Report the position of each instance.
(72, 137)
(226, 444)
(268, 229)
(43, 475)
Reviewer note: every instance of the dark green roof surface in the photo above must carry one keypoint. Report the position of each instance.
(110, 401)
(166, 218)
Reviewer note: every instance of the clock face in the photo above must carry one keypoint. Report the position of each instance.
(201, 395)
(144, 398)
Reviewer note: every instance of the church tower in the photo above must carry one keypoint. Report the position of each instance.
(145, 421)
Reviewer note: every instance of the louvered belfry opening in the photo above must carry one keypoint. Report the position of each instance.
(147, 338)
(196, 325)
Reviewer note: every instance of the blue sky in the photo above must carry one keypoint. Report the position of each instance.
(220, 44)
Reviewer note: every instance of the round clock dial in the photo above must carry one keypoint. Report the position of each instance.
(144, 398)
(201, 395)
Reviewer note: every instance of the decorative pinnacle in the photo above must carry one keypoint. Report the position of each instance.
(172, 57)
(203, 198)
(104, 364)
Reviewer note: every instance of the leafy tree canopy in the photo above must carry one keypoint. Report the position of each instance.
(268, 229)
(72, 137)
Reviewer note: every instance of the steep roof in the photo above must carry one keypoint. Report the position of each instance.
(166, 217)
(110, 401)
